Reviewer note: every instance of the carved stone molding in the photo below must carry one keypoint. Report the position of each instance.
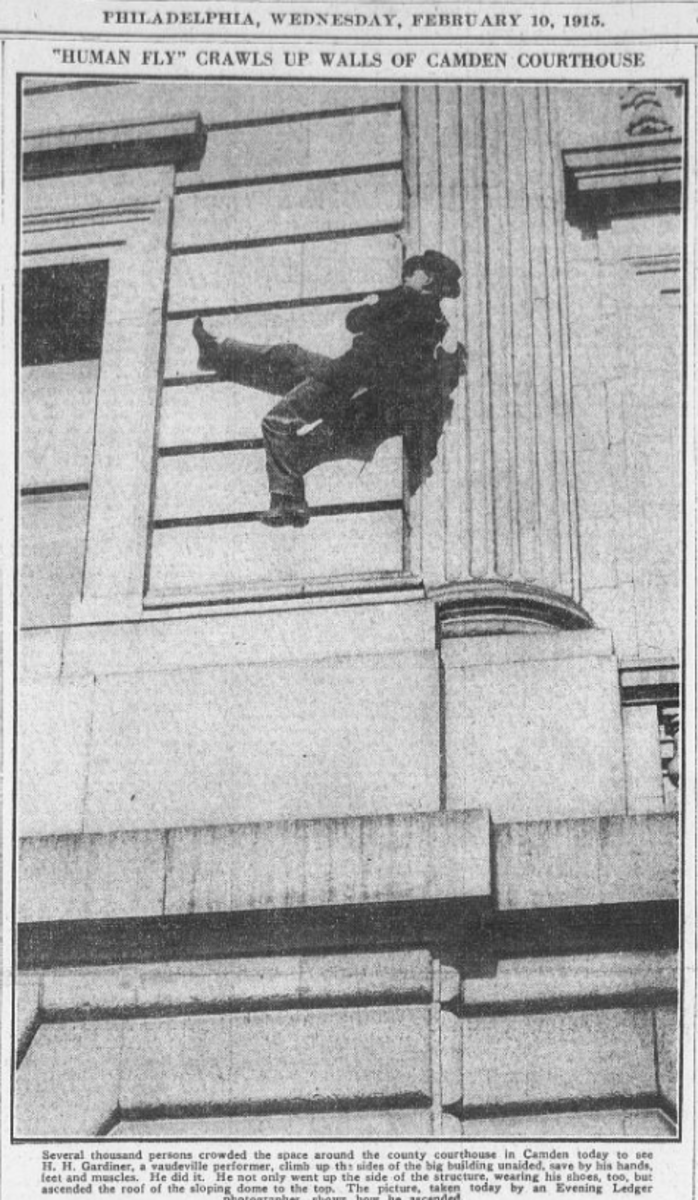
(179, 142)
(635, 177)
(642, 106)
(474, 609)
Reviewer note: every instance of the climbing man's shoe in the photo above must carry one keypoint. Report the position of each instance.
(283, 510)
(207, 345)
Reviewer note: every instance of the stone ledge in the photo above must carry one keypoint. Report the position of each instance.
(285, 865)
(350, 864)
(180, 142)
(588, 861)
(633, 177)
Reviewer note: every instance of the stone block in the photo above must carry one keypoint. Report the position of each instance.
(266, 742)
(202, 413)
(214, 100)
(562, 646)
(611, 860)
(87, 877)
(216, 985)
(52, 551)
(280, 635)
(523, 981)
(295, 864)
(658, 600)
(533, 737)
(597, 494)
(292, 208)
(318, 863)
(291, 1058)
(314, 144)
(616, 609)
(68, 1084)
(28, 1005)
(599, 537)
(555, 1057)
(272, 274)
(200, 562)
(235, 481)
(667, 1034)
(85, 191)
(597, 1123)
(257, 867)
(40, 655)
(643, 761)
(54, 721)
(57, 423)
(388, 1123)
(451, 1058)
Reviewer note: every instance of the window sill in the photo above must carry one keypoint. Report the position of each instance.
(355, 589)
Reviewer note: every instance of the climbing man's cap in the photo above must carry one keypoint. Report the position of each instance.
(435, 263)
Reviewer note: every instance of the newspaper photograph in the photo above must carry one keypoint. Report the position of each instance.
(348, 513)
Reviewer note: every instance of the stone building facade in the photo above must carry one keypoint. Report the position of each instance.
(370, 828)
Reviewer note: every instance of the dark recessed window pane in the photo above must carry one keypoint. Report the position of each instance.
(63, 312)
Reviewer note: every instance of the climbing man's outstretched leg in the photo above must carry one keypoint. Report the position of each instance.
(276, 368)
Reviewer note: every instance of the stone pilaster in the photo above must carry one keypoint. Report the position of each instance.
(498, 516)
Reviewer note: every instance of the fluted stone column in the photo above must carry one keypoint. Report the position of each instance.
(498, 517)
(531, 724)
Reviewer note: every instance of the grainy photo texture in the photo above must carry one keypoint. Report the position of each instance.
(350, 485)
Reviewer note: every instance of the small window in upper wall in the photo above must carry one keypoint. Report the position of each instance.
(63, 309)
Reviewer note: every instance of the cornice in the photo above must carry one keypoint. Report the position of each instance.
(602, 182)
(179, 142)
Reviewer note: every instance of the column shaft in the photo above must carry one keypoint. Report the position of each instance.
(499, 514)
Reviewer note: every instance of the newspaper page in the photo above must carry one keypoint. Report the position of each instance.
(348, 524)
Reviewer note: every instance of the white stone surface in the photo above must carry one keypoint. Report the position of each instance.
(291, 1057)
(626, 333)
(256, 867)
(215, 985)
(325, 738)
(68, 1084)
(270, 274)
(544, 980)
(278, 210)
(313, 144)
(429, 856)
(667, 1035)
(90, 877)
(192, 562)
(643, 760)
(597, 1123)
(533, 738)
(40, 654)
(557, 646)
(235, 481)
(282, 635)
(57, 423)
(52, 537)
(395, 1123)
(53, 746)
(71, 196)
(543, 1057)
(204, 413)
(609, 860)
(216, 101)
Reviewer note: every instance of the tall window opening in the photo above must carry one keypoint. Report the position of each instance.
(63, 309)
